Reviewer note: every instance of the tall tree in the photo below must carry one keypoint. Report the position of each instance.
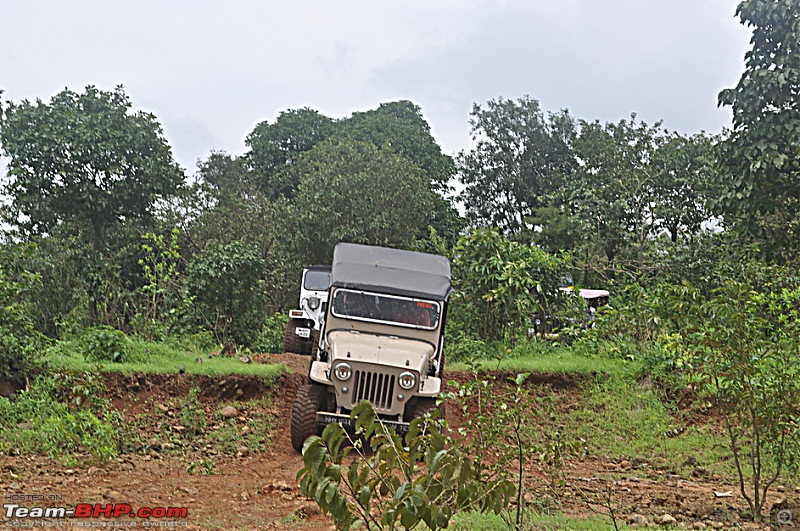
(760, 159)
(274, 148)
(521, 155)
(230, 207)
(397, 127)
(683, 184)
(613, 189)
(635, 182)
(85, 160)
(353, 191)
(400, 126)
(20, 344)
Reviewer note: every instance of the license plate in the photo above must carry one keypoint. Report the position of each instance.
(303, 332)
(347, 422)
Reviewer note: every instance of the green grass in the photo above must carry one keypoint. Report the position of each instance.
(619, 415)
(621, 418)
(550, 359)
(535, 356)
(538, 521)
(162, 358)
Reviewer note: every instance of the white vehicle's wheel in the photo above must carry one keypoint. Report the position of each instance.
(292, 343)
(306, 345)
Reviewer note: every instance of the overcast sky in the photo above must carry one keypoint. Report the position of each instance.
(211, 70)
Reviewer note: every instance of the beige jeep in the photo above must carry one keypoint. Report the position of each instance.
(381, 342)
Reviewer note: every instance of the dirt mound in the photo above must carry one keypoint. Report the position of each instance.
(219, 388)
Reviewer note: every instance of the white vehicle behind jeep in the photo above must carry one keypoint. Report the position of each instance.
(302, 330)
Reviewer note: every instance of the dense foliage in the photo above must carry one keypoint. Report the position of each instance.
(760, 158)
(86, 162)
(502, 284)
(609, 203)
(19, 341)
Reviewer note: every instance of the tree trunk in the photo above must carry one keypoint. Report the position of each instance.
(94, 281)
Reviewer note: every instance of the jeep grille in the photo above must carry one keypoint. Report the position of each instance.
(375, 387)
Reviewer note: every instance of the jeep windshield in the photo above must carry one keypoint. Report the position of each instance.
(387, 309)
(317, 280)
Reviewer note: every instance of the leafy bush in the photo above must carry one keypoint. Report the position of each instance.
(103, 343)
(193, 417)
(65, 431)
(425, 478)
(501, 284)
(464, 347)
(226, 285)
(19, 341)
(271, 337)
(61, 415)
(629, 326)
(77, 390)
(745, 345)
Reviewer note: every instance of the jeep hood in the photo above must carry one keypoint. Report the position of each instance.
(381, 350)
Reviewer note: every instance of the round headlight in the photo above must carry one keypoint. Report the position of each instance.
(407, 380)
(313, 302)
(343, 371)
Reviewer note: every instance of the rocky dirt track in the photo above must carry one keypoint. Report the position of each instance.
(258, 490)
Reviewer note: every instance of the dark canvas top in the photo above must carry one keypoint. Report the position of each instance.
(392, 271)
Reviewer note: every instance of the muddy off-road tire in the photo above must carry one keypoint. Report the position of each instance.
(308, 400)
(292, 343)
